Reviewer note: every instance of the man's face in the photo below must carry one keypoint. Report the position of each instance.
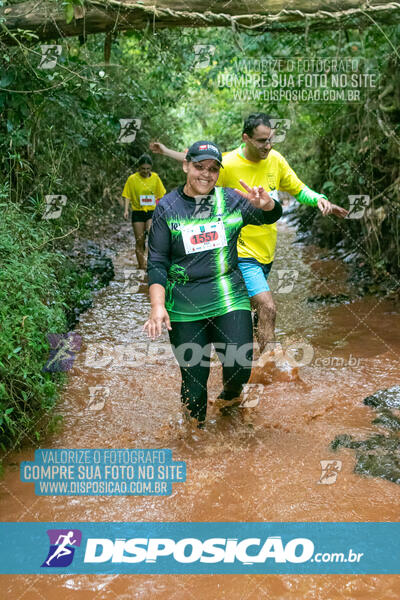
(260, 142)
(201, 176)
(144, 170)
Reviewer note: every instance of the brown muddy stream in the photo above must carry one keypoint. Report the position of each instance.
(121, 394)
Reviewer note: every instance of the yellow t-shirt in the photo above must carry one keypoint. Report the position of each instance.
(273, 173)
(143, 192)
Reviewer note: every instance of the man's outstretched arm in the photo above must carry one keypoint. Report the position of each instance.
(159, 148)
(308, 196)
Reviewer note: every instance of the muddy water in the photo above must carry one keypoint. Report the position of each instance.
(265, 470)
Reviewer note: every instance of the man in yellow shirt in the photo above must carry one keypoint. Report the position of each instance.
(257, 164)
(142, 191)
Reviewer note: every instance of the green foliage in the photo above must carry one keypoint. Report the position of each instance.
(341, 149)
(38, 287)
(358, 152)
(59, 133)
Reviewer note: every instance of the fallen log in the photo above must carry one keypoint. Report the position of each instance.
(50, 20)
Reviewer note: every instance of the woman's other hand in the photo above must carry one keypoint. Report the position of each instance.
(153, 325)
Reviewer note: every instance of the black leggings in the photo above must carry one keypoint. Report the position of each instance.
(232, 336)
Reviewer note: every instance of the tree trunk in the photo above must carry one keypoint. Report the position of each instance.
(48, 19)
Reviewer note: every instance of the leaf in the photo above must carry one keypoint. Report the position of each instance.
(69, 13)
(6, 79)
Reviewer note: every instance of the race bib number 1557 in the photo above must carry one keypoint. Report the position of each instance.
(208, 236)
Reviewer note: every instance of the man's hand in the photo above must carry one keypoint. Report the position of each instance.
(126, 214)
(256, 196)
(327, 208)
(158, 316)
(324, 206)
(157, 147)
(338, 211)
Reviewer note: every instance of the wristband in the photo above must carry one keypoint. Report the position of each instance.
(308, 196)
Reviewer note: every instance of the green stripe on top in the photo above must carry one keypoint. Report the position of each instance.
(224, 283)
(233, 221)
(221, 253)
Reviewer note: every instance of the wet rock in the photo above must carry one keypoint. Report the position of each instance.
(344, 440)
(378, 455)
(389, 398)
(387, 419)
(386, 466)
(329, 299)
(92, 259)
(377, 442)
(100, 265)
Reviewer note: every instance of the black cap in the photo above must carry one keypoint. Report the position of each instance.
(204, 150)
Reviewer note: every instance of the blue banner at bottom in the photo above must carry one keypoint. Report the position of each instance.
(200, 548)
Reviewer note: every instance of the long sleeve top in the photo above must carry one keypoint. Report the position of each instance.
(193, 253)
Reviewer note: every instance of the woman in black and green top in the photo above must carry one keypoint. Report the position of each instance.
(196, 288)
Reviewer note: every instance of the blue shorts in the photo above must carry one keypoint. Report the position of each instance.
(255, 275)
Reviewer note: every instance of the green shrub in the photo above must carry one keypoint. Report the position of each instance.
(38, 288)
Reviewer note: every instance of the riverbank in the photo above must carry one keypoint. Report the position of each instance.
(46, 284)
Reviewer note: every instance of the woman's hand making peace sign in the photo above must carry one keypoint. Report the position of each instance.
(256, 196)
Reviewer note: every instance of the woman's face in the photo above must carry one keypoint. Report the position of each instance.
(201, 176)
(144, 170)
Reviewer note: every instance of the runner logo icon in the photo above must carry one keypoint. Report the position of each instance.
(62, 547)
(330, 470)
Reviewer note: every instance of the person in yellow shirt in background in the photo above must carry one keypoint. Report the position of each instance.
(258, 164)
(142, 191)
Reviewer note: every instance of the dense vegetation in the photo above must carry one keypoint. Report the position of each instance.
(59, 135)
